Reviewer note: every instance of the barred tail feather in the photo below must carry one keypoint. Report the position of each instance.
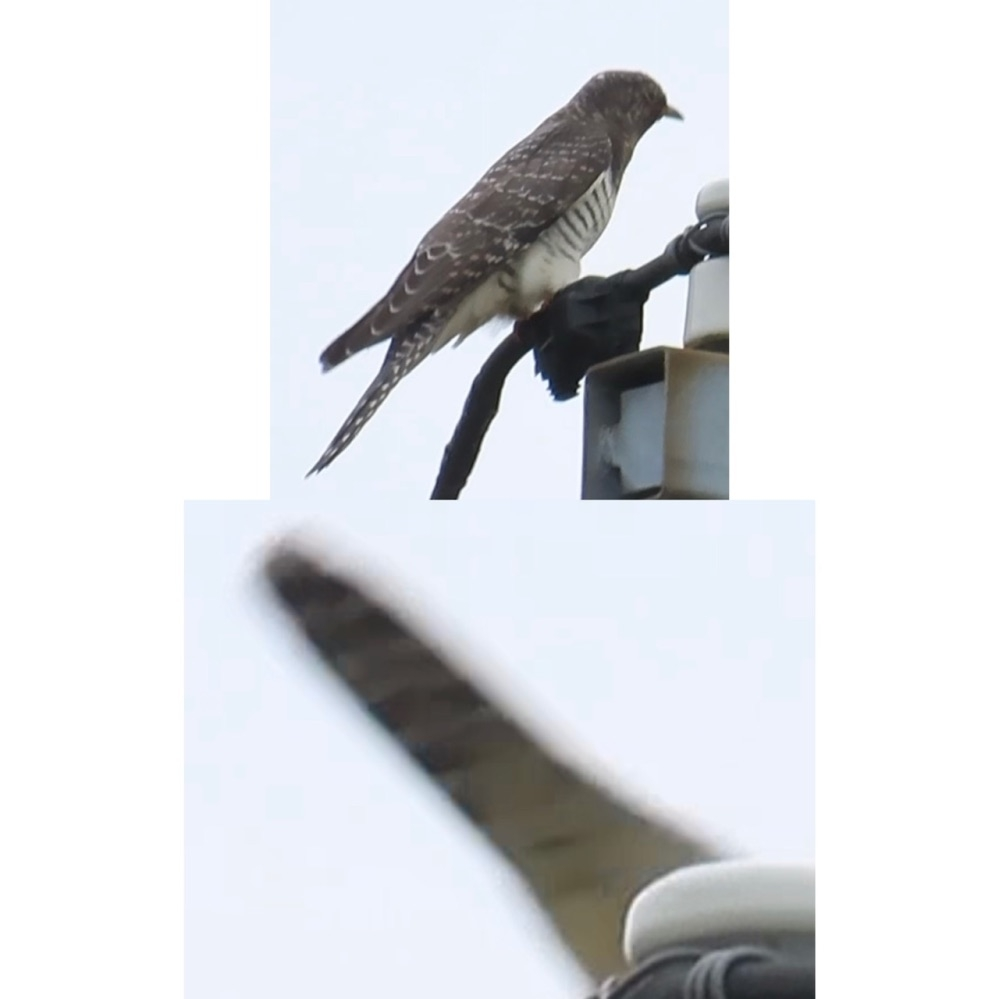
(403, 355)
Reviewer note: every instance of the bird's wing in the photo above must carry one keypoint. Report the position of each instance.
(519, 197)
(582, 853)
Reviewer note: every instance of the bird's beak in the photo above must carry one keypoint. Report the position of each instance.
(672, 113)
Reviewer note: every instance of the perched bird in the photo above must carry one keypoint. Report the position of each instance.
(578, 848)
(513, 241)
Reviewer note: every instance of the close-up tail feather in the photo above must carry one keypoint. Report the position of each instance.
(579, 849)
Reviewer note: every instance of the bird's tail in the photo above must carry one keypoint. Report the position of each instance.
(403, 355)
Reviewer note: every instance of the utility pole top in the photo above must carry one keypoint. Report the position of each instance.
(655, 422)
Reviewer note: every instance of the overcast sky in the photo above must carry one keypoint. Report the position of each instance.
(672, 649)
(382, 119)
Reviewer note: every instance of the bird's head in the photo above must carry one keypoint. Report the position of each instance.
(626, 98)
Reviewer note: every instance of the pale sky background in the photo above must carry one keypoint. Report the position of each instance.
(671, 648)
(382, 118)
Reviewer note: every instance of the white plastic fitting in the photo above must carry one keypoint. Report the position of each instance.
(707, 287)
(734, 901)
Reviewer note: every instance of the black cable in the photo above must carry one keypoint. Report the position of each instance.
(481, 407)
(733, 973)
(588, 322)
(772, 981)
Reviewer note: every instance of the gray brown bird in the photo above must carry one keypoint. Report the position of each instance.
(514, 240)
(578, 848)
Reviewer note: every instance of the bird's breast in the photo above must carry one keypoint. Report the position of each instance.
(553, 261)
(530, 279)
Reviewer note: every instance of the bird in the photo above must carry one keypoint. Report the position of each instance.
(514, 240)
(578, 848)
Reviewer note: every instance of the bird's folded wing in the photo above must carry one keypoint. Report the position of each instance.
(527, 190)
(582, 853)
